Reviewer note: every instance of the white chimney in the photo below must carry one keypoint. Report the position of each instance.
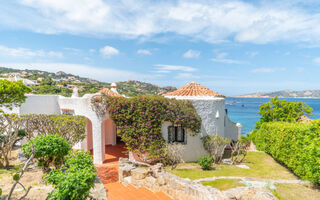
(75, 92)
(114, 87)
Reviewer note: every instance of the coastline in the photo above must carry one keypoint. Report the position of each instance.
(272, 97)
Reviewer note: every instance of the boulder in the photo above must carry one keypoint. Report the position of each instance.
(243, 193)
(227, 161)
(139, 173)
(21, 156)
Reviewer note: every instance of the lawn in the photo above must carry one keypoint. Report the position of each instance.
(261, 166)
(297, 191)
(223, 184)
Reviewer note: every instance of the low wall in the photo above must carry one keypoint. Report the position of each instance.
(156, 179)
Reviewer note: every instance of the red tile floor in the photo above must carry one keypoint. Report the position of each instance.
(108, 173)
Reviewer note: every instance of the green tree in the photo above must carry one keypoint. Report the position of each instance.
(12, 93)
(282, 111)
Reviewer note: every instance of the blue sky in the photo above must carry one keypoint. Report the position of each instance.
(232, 47)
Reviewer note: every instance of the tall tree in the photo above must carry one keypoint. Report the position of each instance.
(283, 111)
(12, 93)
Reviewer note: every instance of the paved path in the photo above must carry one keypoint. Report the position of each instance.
(251, 179)
(108, 173)
(254, 182)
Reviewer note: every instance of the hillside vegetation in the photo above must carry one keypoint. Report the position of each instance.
(286, 94)
(61, 83)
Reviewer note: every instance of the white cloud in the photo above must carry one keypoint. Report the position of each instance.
(268, 70)
(316, 60)
(27, 53)
(169, 68)
(101, 74)
(191, 54)
(144, 52)
(108, 51)
(300, 69)
(252, 53)
(221, 58)
(187, 76)
(211, 21)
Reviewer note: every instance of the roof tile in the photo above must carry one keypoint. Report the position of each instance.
(194, 89)
(108, 92)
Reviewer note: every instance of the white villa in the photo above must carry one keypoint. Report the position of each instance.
(101, 132)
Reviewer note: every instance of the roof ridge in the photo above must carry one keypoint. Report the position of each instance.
(194, 89)
(109, 92)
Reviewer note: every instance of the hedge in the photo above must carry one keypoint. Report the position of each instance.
(296, 145)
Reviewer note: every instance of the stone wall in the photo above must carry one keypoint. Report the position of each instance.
(156, 179)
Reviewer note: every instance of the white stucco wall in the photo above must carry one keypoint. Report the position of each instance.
(82, 106)
(193, 148)
(52, 104)
(214, 122)
(232, 130)
(41, 104)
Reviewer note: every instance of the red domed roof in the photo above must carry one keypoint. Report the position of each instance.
(194, 89)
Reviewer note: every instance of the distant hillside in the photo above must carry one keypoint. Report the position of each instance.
(133, 88)
(286, 94)
(61, 83)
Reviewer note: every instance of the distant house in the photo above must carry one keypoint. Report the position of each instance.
(16, 77)
(102, 131)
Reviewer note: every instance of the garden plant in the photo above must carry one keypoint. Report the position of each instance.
(215, 146)
(205, 162)
(49, 150)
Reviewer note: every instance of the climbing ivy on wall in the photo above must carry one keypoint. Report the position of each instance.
(139, 119)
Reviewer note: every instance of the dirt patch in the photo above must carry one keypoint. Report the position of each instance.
(31, 177)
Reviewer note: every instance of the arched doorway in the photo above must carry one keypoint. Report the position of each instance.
(109, 132)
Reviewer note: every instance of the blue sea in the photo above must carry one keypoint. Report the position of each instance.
(245, 110)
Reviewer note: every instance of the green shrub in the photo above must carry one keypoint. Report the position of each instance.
(205, 162)
(75, 182)
(296, 145)
(72, 128)
(49, 150)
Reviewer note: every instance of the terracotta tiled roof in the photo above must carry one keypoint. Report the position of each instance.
(66, 109)
(108, 92)
(194, 89)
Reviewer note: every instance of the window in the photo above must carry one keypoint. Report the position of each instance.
(176, 134)
(67, 111)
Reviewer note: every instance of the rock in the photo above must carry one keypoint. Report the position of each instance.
(21, 156)
(227, 161)
(125, 167)
(260, 184)
(243, 193)
(243, 166)
(157, 169)
(139, 173)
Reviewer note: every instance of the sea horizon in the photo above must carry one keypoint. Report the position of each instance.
(244, 110)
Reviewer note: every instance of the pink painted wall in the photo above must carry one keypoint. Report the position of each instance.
(109, 132)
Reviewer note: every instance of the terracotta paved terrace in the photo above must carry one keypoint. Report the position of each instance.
(108, 173)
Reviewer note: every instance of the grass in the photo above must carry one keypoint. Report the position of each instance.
(12, 169)
(261, 166)
(224, 184)
(297, 191)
